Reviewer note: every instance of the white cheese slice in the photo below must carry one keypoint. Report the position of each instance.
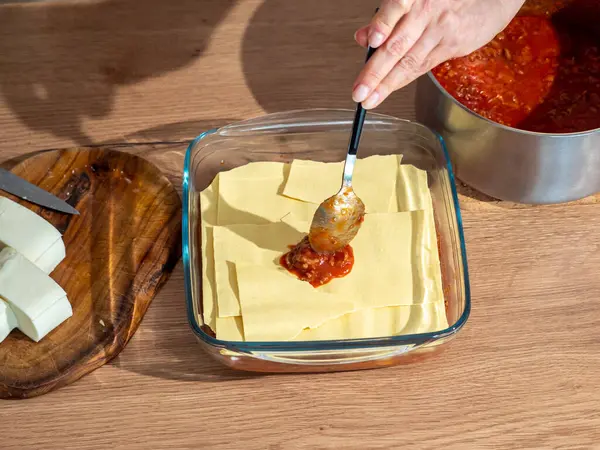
(52, 257)
(38, 302)
(31, 235)
(8, 321)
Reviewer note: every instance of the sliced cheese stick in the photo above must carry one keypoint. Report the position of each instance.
(8, 321)
(31, 235)
(52, 257)
(38, 302)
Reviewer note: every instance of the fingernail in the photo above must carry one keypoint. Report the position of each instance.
(360, 93)
(376, 39)
(371, 101)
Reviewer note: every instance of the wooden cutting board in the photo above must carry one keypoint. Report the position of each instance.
(120, 250)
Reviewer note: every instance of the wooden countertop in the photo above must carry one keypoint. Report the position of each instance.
(147, 76)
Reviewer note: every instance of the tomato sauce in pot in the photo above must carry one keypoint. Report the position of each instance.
(540, 74)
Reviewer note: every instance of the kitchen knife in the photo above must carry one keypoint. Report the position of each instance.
(15, 185)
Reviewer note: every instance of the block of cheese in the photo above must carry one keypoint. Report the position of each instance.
(38, 302)
(52, 257)
(31, 235)
(8, 321)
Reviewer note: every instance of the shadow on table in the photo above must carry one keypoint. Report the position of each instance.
(182, 359)
(300, 55)
(176, 132)
(165, 347)
(68, 59)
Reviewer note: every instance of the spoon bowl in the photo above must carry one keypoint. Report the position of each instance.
(337, 220)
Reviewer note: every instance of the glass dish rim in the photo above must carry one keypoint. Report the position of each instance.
(329, 345)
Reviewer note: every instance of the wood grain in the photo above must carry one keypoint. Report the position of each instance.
(120, 250)
(523, 374)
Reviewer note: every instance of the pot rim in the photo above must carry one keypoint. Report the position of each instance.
(505, 127)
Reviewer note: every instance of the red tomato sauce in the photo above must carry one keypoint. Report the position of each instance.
(317, 268)
(540, 74)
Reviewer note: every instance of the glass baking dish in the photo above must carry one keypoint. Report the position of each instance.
(322, 135)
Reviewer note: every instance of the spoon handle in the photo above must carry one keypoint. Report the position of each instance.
(359, 119)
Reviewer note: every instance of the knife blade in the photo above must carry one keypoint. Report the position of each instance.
(16, 185)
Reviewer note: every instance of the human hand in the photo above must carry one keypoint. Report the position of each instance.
(414, 36)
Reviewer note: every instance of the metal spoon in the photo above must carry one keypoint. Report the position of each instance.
(338, 219)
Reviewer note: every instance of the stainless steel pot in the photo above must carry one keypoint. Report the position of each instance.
(506, 163)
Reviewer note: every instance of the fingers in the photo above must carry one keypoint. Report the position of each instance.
(362, 36)
(402, 39)
(385, 20)
(423, 56)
